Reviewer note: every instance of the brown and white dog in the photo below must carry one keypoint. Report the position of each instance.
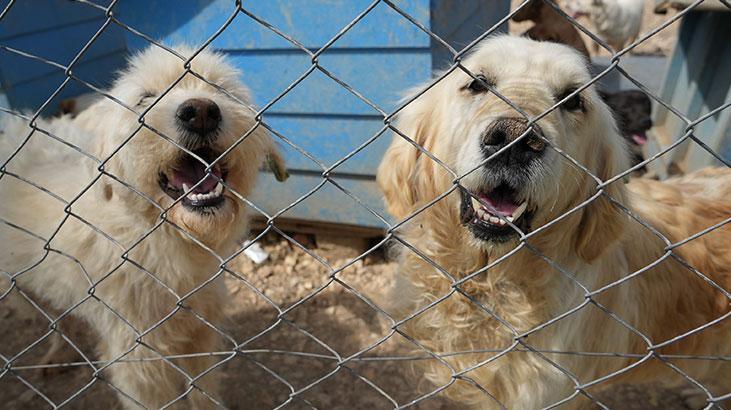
(141, 278)
(549, 25)
(569, 269)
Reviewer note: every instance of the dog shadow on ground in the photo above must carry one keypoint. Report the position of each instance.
(299, 352)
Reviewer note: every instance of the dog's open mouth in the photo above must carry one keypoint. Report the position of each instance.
(487, 213)
(188, 171)
(639, 138)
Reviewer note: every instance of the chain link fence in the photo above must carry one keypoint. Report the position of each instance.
(295, 348)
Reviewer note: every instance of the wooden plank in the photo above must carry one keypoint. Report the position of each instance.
(459, 26)
(259, 223)
(380, 76)
(686, 96)
(669, 83)
(32, 94)
(715, 90)
(327, 204)
(642, 68)
(37, 16)
(311, 22)
(61, 46)
(723, 134)
(329, 139)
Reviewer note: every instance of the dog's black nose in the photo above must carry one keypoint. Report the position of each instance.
(505, 130)
(199, 115)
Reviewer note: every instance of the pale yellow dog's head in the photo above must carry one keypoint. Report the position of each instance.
(198, 151)
(529, 183)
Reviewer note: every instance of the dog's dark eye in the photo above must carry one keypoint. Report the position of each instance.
(145, 99)
(479, 84)
(575, 103)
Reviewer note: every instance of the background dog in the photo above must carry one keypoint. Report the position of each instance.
(615, 21)
(633, 112)
(550, 26)
(586, 277)
(632, 108)
(136, 254)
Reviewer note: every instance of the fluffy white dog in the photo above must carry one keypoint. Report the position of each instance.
(561, 289)
(134, 254)
(616, 21)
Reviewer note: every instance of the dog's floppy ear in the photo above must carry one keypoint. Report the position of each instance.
(273, 160)
(602, 223)
(275, 163)
(397, 173)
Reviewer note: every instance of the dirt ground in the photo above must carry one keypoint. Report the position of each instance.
(660, 44)
(334, 316)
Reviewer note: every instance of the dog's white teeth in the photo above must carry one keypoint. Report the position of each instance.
(476, 204)
(519, 211)
(510, 219)
(485, 216)
(185, 187)
(217, 191)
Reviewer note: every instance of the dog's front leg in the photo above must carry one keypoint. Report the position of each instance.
(143, 380)
(156, 383)
(206, 387)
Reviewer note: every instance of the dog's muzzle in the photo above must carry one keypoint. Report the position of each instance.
(199, 116)
(496, 211)
(496, 214)
(203, 189)
(506, 130)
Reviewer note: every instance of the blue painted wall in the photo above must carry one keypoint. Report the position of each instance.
(380, 57)
(698, 81)
(55, 30)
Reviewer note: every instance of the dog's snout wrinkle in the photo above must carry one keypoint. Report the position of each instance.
(199, 115)
(506, 130)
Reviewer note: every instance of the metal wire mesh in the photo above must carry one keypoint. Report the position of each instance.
(249, 347)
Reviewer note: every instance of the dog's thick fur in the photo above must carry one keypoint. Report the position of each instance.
(597, 243)
(136, 291)
(618, 22)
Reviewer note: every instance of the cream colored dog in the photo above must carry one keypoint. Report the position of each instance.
(618, 22)
(574, 285)
(134, 253)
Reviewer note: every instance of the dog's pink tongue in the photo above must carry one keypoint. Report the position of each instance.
(194, 172)
(640, 139)
(504, 206)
